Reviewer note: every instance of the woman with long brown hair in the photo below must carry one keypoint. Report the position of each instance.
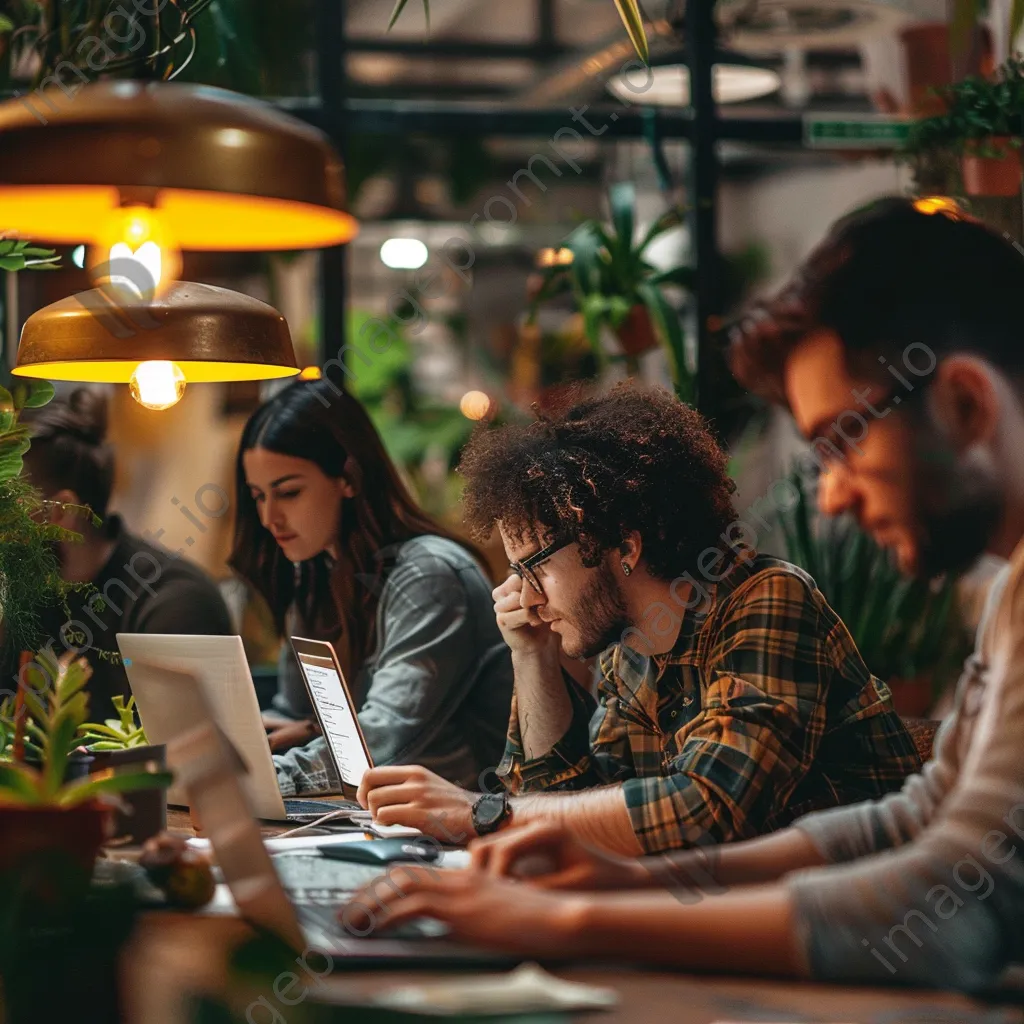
(327, 532)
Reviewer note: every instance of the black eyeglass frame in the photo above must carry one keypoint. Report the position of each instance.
(524, 569)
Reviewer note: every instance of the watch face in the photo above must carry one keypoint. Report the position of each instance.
(490, 809)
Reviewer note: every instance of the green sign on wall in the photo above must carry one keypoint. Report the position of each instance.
(863, 131)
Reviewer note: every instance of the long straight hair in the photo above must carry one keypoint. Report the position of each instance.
(313, 420)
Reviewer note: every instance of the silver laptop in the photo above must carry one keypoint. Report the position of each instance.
(203, 765)
(219, 663)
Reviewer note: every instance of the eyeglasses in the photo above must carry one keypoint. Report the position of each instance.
(524, 569)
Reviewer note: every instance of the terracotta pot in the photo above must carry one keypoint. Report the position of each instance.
(993, 176)
(30, 832)
(926, 49)
(930, 64)
(636, 333)
(146, 813)
(912, 698)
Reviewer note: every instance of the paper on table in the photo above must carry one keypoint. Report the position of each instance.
(527, 989)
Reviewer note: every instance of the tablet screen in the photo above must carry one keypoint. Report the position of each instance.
(336, 716)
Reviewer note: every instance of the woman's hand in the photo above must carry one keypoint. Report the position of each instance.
(551, 857)
(414, 796)
(478, 908)
(283, 735)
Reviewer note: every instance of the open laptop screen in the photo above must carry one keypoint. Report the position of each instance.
(333, 706)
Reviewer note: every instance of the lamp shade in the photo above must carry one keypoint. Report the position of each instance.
(666, 83)
(211, 334)
(220, 170)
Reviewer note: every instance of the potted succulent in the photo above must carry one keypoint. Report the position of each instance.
(907, 631)
(119, 746)
(41, 809)
(615, 286)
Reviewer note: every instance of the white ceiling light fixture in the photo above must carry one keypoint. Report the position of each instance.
(667, 82)
(403, 253)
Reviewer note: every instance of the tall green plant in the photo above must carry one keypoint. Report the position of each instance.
(610, 274)
(903, 628)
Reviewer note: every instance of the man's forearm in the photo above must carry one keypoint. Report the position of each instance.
(750, 931)
(716, 868)
(597, 817)
(545, 710)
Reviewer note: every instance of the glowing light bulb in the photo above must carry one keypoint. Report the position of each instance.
(135, 253)
(157, 384)
(403, 253)
(475, 405)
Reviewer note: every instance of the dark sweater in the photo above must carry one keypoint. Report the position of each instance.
(143, 589)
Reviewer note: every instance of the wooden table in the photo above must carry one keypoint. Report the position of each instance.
(173, 954)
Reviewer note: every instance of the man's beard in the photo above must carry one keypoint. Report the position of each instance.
(961, 505)
(599, 615)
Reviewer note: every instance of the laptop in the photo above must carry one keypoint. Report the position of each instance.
(203, 765)
(220, 665)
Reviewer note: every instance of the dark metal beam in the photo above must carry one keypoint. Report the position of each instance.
(700, 48)
(457, 49)
(487, 119)
(330, 29)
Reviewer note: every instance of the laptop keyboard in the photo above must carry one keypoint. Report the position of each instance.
(319, 887)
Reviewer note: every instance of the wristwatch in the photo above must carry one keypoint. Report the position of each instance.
(490, 812)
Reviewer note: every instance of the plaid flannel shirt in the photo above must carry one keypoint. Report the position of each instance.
(763, 711)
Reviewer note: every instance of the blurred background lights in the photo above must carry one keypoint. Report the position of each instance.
(403, 253)
(475, 405)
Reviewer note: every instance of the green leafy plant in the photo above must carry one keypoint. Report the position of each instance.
(977, 110)
(903, 628)
(121, 733)
(17, 254)
(55, 710)
(629, 12)
(30, 576)
(610, 276)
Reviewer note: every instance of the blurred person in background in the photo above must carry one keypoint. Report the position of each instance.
(328, 534)
(898, 348)
(132, 585)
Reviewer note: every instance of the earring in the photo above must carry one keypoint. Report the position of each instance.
(626, 568)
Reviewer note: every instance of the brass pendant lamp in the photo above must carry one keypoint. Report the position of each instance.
(192, 332)
(139, 171)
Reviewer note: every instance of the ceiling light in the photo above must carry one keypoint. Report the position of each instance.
(667, 82)
(212, 169)
(192, 333)
(403, 253)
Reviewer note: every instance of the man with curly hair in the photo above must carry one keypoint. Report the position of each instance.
(731, 697)
(899, 347)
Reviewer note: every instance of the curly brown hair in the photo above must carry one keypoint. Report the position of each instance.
(636, 459)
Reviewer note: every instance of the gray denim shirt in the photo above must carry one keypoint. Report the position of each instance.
(437, 690)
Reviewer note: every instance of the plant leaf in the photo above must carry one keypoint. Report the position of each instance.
(21, 782)
(622, 199)
(668, 326)
(965, 16)
(629, 12)
(39, 393)
(396, 13)
(82, 790)
(683, 276)
(1016, 20)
